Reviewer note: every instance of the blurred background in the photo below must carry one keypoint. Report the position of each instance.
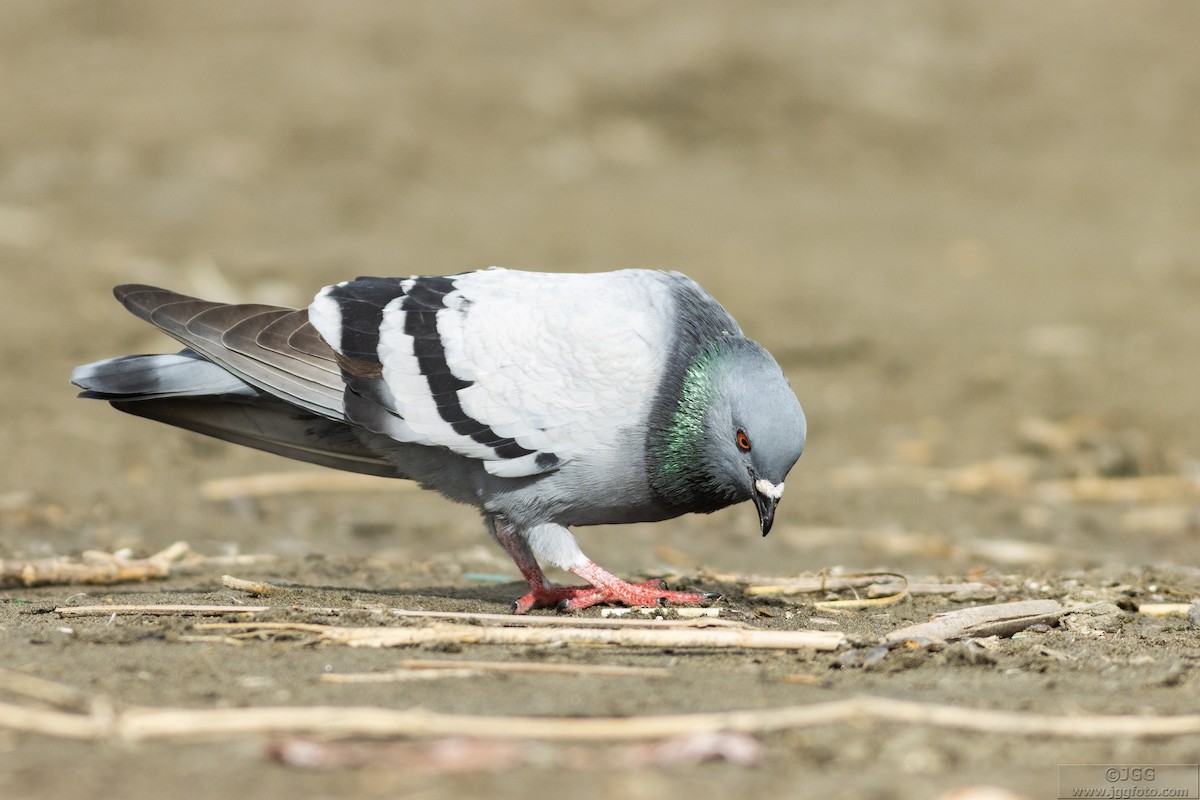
(967, 231)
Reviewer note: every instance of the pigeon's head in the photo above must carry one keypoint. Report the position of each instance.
(756, 429)
(734, 433)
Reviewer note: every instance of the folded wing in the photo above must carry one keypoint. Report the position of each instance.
(522, 371)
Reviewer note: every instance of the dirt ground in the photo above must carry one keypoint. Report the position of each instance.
(968, 232)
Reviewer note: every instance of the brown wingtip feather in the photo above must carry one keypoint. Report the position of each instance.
(142, 300)
(251, 341)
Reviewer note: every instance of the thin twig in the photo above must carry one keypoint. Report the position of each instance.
(801, 584)
(209, 639)
(397, 675)
(250, 587)
(449, 633)
(35, 688)
(460, 616)
(94, 568)
(759, 586)
(568, 621)
(915, 589)
(861, 602)
(155, 610)
(410, 665)
(867, 602)
(1164, 609)
(172, 723)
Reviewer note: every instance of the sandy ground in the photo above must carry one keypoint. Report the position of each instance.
(968, 232)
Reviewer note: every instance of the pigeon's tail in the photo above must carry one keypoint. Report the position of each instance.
(185, 390)
(271, 348)
(154, 377)
(270, 425)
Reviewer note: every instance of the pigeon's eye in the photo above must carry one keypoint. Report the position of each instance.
(743, 441)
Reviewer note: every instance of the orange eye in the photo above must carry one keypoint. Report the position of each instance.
(743, 442)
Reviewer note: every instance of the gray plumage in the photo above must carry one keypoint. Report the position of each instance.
(544, 400)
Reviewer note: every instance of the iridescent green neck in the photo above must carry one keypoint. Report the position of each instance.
(677, 444)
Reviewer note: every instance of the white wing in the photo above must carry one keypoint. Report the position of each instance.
(524, 371)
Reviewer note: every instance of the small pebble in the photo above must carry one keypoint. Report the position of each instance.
(850, 659)
(875, 655)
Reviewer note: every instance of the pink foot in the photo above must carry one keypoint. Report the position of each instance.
(604, 586)
(572, 598)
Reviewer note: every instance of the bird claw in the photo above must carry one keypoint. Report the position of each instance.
(574, 598)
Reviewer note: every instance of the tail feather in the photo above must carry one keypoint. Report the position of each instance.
(182, 374)
(254, 375)
(269, 425)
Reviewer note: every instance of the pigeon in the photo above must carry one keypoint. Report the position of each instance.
(544, 400)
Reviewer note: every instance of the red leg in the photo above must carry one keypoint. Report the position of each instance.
(542, 593)
(605, 587)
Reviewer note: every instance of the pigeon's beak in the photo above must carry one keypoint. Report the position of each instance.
(766, 497)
